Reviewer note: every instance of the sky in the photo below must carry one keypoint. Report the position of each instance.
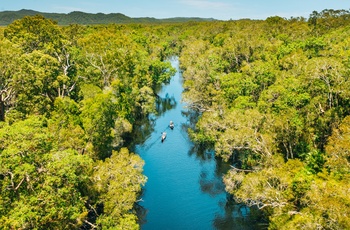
(218, 9)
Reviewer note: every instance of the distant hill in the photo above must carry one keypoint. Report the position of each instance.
(77, 17)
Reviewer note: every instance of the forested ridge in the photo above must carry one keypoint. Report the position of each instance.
(82, 18)
(272, 98)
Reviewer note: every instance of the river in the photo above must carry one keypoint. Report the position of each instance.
(184, 188)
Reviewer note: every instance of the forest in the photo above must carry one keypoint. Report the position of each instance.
(272, 97)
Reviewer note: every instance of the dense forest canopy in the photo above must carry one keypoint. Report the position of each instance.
(273, 99)
(68, 97)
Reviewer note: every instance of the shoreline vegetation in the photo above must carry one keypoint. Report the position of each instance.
(273, 98)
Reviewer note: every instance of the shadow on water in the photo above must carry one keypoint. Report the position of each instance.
(144, 127)
(141, 211)
(235, 215)
(238, 216)
(165, 104)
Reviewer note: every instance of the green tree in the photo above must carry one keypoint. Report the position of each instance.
(9, 55)
(337, 150)
(268, 101)
(36, 83)
(98, 115)
(66, 125)
(34, 33)
(119, 179)
(41, 186)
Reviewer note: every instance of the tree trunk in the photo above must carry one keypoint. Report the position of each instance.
(2, 110)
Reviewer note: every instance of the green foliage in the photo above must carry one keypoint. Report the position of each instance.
(119, 179)
(98, 115)
(337, 150)
(315, 161)
(41, 186)
(68, 97)
(65, 124)
(268, 101)
(161, 71)
(36, 83)
(8, 65)
(272, 95)
(34, 33)
(328, 19)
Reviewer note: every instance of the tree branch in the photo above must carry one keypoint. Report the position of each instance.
(92, 225)
(243, 170)
(93, 209)
(19, 184)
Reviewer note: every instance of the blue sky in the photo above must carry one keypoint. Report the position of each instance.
(218, 9)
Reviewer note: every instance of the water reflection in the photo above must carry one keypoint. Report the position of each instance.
(191, 116)
(165, 104)
(211, 182)
(143, 128)
(141, 211)
(201, 152)
(210, 185)
(234, 215)
(238, 216)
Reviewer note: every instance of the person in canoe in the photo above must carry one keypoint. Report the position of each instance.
(171, 125)
(163, 136)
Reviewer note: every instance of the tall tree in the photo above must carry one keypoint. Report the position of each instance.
(34, 33)
(9, 55)
(119, 179)
(41, 186)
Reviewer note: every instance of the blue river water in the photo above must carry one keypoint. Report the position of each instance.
(184, 188)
